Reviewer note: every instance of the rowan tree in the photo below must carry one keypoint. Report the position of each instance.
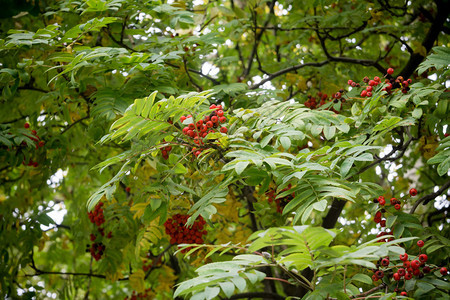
(229, 149)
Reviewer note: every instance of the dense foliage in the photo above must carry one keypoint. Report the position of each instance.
(224, 149)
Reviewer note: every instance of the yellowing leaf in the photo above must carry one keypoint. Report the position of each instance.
(137, 281)
(138, 210)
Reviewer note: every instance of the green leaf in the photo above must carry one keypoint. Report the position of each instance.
(362, 278)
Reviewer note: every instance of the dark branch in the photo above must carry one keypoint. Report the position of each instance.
(287, 70)
(252, 295)
(426, 199)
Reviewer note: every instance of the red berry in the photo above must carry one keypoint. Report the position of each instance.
(383, 223)
(423, 257)
(364, 93)
(393, 201)
(182, 118)
(420, 243)
(382, 202)
(372, 82)
(443, 271)
(222, 119)
(33, 132)
(213, 106)
(379, 274)
(404, 257)
(403, 294)
(369, 94)
(390, 71)
(398, 206)
(214, 119)
(408, 276)
(127, 189)
(401, 272)
(374, 277)
(413, 192)
(349, 82)
(223, 130)
(396, 277)
(426, 269)
(415, 264)
(26, 125)
(377, 79)
(385, 262)
(220, 113)
(369, 88)
(406, 264)
(209, 124)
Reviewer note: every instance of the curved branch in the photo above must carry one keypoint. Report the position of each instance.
(257, 295)
(429, 197)
(287, 70)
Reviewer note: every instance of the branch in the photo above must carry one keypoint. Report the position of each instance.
(257, 295)
(199, 88)
(287, 70)
(443, 10)
(429, 197)
(381, 286)
(74, 123)
(258, 39)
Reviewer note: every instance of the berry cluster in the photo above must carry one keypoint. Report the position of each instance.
(38, 144)
(379, 215)
(144, 295)
(408, 268)
(180, 234)
(391, 83)
(280, 202)
(165, 151)
(97, 218)
(198, 130)
(96, 250)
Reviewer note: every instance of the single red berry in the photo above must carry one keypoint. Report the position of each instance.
(34, 132)
(191, 126)
(199, 123)
(413, 192)
(374, 277)
(377, 79)
(408, 276)
(405, 83)
(423, 257)
(404, 257)
(406, 264)
(369, 88)
(223, 130)
(420, 243)
(222, 119)
(382, 202)
(364, 93)
(213, 106)
(396, 277)
(401, 272)
(127, 189)
(182, 118)
(403, 294)
(379, 274)
(385, 262)
(349, 82)
(443, 271)
(426, 269)
(398, 206)
(390, 71)
(372, 82)
(383, 223)
(369, 94)
(26, 125)
(220, 113)
(415, 264)
(214, 119)
(393, 201)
